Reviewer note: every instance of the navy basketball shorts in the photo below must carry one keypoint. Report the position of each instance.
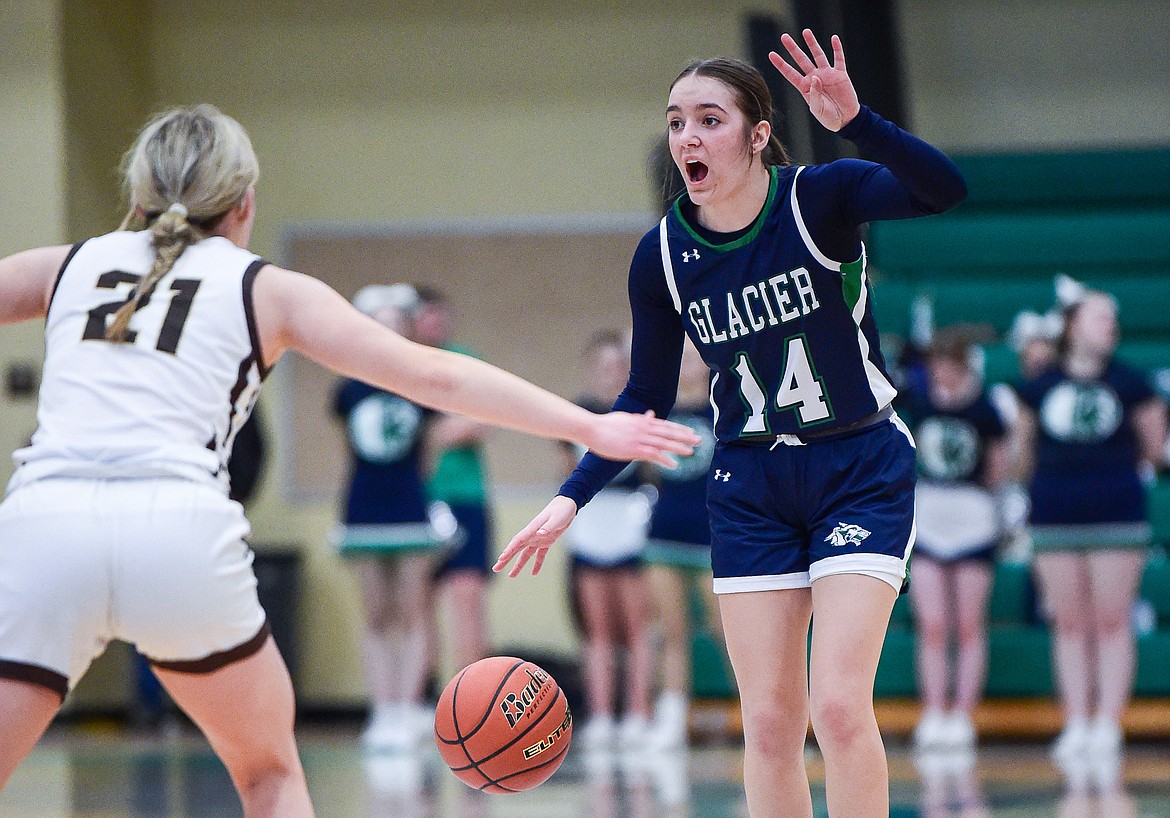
(476, 522)
(785, 516)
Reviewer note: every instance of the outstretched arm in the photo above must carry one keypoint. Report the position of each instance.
(297, 312)
(654, 368)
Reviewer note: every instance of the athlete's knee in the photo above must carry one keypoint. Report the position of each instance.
(839, 719)
(971, 631)
(259, 774)
(1111, 619)
(932, 630)
(775, 728)
(1071, 621)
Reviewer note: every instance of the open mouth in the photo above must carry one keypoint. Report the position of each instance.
(696, 171)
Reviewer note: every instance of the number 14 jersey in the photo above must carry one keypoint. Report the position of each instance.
(169, 400)
(788, 332)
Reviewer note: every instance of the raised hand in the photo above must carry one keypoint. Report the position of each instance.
(826, 88)
(626, 436)
(537, 536)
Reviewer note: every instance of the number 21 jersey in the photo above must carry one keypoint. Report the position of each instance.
(172, 397)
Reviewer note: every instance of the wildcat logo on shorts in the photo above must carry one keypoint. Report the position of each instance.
(846, 534)
(515, 705)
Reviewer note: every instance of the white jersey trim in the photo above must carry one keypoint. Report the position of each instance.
(711, 400)
(668, 266)
(824, 260)
(882, 390)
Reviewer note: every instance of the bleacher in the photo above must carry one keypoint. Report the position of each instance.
(1102, 218)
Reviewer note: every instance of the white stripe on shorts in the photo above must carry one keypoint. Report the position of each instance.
(891, 570)
(762, 582)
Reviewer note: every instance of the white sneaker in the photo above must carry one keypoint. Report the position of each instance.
(633, 732)
(389, 730)
(422, 718)
(1104, 737)
(931, 731)
(393, 773)
(598, 733)
(1072, 741)
(669, 729)
(958, 732)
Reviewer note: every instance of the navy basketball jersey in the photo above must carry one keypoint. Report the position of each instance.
(385, 434)
(952, 443)
(1086, 448)
(1086, 426)
(788, 332)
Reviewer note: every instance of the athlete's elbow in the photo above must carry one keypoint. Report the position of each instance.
(951, 192)
(438, 386)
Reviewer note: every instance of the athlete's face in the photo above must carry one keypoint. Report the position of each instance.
(432, 324)
(1094, 326)
(711, 142)
(609, 368)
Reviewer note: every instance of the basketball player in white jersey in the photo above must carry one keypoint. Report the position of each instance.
(117, 523)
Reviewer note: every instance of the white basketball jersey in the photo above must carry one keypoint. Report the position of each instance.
(169, 401)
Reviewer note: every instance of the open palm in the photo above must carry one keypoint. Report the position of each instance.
(826, 88)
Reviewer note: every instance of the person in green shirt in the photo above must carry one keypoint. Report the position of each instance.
(457, 488)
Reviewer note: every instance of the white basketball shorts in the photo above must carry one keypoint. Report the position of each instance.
(159, 563)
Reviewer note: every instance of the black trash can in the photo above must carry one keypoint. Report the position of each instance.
(277, 569)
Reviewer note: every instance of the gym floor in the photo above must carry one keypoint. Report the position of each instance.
(103, 770)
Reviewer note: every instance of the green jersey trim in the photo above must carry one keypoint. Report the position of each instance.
(757, 225)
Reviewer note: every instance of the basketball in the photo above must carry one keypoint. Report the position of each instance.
(503, 725)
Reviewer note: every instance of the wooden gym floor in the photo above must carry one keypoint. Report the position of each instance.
(101, 770)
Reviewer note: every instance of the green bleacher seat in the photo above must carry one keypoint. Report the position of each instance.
(895, 673)
(956, 245)
(709, 676)
(1156, 588)
(1011, 595)
(1062, 180)
(1153, 668)
(1159, 507)
(1142, 300)
(901, 616)
(1018, 661)
(1000, 364)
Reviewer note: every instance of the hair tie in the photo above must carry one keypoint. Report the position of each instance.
(179, 209)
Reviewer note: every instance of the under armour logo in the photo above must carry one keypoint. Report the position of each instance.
(722, 475)
(691, 255)
(846, 534)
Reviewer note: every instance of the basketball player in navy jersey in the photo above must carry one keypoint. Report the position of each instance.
(811, 488)
(117, 522)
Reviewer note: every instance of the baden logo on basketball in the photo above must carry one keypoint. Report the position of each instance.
(514, 706)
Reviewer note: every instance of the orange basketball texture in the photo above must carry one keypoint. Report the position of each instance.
(503, 725)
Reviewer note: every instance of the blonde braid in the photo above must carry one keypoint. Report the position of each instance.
(188, 168)
(173, 234)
